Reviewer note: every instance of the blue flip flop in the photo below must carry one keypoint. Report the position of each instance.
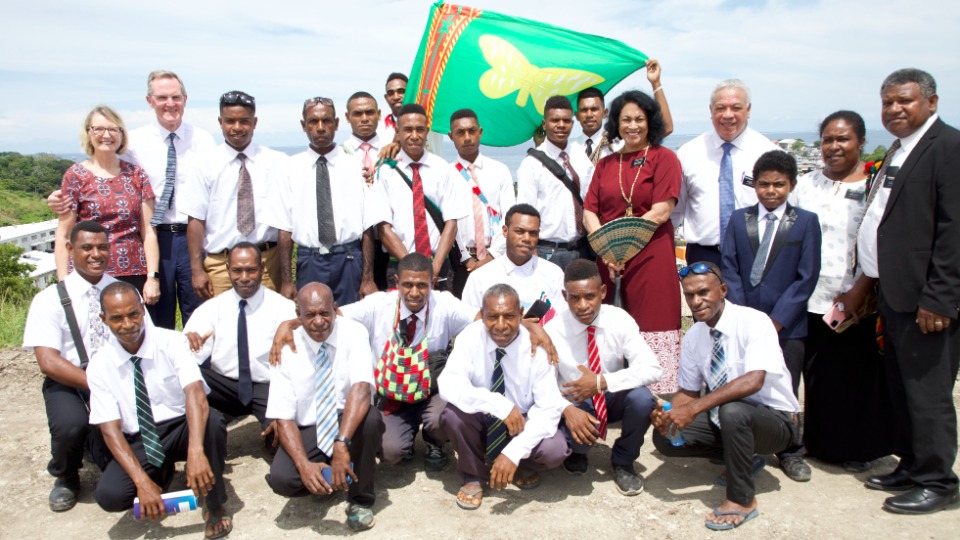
(727, 526)
(758, 464)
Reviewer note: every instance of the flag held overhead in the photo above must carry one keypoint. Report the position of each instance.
(505, 68)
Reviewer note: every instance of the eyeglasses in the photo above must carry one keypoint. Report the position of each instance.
(315, 100)
(698, 269)
(100, 130)
(238, 98)
(176, 98)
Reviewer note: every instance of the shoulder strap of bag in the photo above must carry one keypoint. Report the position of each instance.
(72, 323)
(557, 171)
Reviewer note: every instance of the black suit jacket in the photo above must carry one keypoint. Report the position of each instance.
(918, 239)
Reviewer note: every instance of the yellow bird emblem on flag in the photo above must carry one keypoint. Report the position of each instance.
(510, 72)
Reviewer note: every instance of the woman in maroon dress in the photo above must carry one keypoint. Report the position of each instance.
(643, 180)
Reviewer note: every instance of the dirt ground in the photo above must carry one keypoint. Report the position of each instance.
(411, 504)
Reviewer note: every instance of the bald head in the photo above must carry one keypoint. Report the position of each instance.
(316, 310)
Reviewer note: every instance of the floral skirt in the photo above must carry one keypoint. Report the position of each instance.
(666, 347)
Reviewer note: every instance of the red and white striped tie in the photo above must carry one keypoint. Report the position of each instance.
(599, 401)
(479, 214)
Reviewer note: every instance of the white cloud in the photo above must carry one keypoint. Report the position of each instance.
(803, 59)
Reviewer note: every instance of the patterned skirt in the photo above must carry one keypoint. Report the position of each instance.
(666, 346)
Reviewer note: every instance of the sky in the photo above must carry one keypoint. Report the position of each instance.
(803, 59)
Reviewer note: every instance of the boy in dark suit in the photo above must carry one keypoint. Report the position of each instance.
(771, 258)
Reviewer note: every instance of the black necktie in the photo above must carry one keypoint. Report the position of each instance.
(244, 381)
(589, 147)
(326, 230)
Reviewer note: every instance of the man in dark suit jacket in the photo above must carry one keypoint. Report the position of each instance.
(771, 258)
(917, 261)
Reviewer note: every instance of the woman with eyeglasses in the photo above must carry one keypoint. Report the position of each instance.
(116, 194)
(846, 406)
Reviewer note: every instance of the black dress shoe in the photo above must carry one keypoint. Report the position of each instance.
(898, 480)
(921, 500)
(64, 494)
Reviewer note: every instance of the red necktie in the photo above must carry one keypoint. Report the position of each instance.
(577, 208)
(390, 122)
(599, 400)
(421, 234)
(411, 329)
(367, 161)
(479, 214)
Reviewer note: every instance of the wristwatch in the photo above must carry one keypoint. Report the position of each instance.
(344, 440)
(153, 275)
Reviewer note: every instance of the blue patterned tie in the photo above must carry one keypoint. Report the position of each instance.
(756, 273)
(718, 371)
(727, 197)
(244, 379)
(169, 180)
(148, 429)
(326, 403)
(497, 436)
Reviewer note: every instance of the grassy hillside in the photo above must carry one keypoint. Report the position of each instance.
(18, 207)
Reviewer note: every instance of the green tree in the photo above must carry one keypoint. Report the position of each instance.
(816, 143)
(877, 153)
(15, 282)
(798, 145)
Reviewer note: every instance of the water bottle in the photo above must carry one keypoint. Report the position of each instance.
(675, 438)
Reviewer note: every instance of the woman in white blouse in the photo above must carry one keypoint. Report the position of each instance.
(846, 405)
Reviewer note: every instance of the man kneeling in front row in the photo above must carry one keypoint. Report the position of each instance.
(503, 406)
(749, 407)
(320, 397)
(149, 399)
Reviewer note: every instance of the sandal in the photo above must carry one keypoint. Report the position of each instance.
(212, 520)
(528, 482)
(714, 526)
(474, 494)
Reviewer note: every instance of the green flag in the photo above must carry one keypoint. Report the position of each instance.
(505, 68)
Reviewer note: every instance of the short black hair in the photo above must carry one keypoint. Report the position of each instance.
(358, 95)
(591, 92)
(656, 128)
(411, 108)
(463, 113)
(523, 209)
(415, 262)
(245, 245)
(581, 269)
(396, 75)
(850, 117)
(928, 86)
(557, 102)
(87, 226)
(118, 287)
(778, 161)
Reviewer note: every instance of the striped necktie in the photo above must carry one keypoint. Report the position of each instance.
(170, 179)
(148, 429)
(479, 215)
(577, 207)
(497, 436)
(326, 403)
(599, 400)
(718, 371)
(421, 232)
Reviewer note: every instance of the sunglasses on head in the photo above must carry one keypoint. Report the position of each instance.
(321, 100)
(238, 98)
(698, 269)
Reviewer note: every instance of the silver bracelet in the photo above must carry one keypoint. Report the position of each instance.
(658, 89)
(598, 382)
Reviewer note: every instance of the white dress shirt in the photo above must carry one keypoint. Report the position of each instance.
(496, 184)
(530, 385)
(537, 279)
(147, 147)
(446, 315)
(168, 367)
(385, 132)
(447, 195)
(539, 188)
(867, 239)
(581, 141)
(626, 361)
(351, 146)
(265, 311)
(213, 195)
(356, 207)
(47, 324)
(750, 343)
(293, 388)
(839, 205)
(698, 207)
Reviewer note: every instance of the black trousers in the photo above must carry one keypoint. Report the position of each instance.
(748, 429)
(284, 479)
(633, 408)
(699, 253)
(793, 353)
(921, 372)
(116, 491)
(70, 431)
(223, 397)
